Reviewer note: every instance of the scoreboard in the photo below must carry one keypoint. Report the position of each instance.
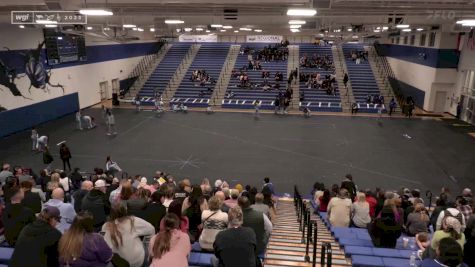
(64, 47)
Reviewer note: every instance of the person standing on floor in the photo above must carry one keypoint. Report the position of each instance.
(79, 119)
(110, 120)
(34, 139)
(47, 158)
(257, 106)
(392, 106)
(65, 155)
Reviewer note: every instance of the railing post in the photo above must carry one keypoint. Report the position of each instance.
(304, 221)
(329, 255)
(322, 255)
(315, 233)
(309, 238)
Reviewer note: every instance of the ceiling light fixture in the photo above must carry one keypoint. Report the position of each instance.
(96, 12)
(21, 26)
(134, 29)
(293, 22)
(152, 29)
(216, 25)
(107, 29)
(349, 29)
(140, 29)
(51, 25)
(227, 27)
(406, 30)
(222, 30)
(174, 21)
(402, 26)
(294, 30)
(245, 29)
(236, 31)
(295, 26)
(129, 26)
(199, 29)
(42, 21)
(377, 30)
(385, 28)
(419, 29)
(301, 12)
(469, 24)
(208, 31)
(89, 28)
(188, 29)
(354, 36)
(466, 21)
(258, 30)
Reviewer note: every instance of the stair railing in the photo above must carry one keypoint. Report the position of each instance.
(309, 237)
(315, 235)
(326, 250)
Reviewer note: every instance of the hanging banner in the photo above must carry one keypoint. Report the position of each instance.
(264, 38)
(198, 38)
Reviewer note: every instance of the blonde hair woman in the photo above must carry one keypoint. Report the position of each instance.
(418, 220)
(360, 211)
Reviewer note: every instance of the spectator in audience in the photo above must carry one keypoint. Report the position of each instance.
(192, 207)
(324, 200)
(268, 184)
(339, 209)
(183, 190)
(451, 211)
(360, 211)
(170, 247)
(385, 230)
(372, 201)
(214, 221)
(154, 210)
(395, 203)
(9, 189)
(176, 208)
(65, 155)
(269, 201)
(123, 232)
(222, 197)
(37, 244)
(66, 210)
(417, 221)
(464, 206)
(469, 258)
(451, 228)
(76, 179)
(258, 221)
(5, 173)
(43, 180)
(80, 246)
(16, 216)
(260, 206)
(449, 253)
(232, 201)
(97, 204)
(467, 194)
(47, 158)
(423, 241)
(30, 200)
(22, 174)
(440, 205)
(65, 183)
(335, 190)
(79, 195)
(53, 184)
(114, 195)
(237, 245)
(349, 185)
(169, 194)
(392, 106)
(137, 203)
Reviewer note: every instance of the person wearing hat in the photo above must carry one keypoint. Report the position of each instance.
(97, 204)
(451, 227)
(37, 244)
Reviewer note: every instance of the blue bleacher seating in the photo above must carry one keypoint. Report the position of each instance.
(200, 259)
(361, 77)
(5, 254)
(244, 98)
(318, 99)
(211, 58)
(162, 74)
(366, 261)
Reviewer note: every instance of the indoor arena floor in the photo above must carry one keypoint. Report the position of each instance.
(237, 147)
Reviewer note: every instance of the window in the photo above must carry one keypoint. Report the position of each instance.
(413, 39)
(422, 41)
(432, 39)
(405, 40)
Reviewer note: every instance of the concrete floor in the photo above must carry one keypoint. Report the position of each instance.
(239, 148)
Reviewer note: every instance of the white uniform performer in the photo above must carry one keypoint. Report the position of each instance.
(111, 123)
(34, 139)
(78, 119)
(42, 142)
(89, 121)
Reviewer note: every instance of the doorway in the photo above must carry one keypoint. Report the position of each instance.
(115, 86)
(104, 90)
(440, 100)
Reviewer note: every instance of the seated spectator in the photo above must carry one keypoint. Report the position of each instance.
(16, 216)
(324, 200)
(222, 197)
(97, 204)
(37, 244)
(79, 195)
(213, 221)
(423, 241)
(175, 208)
(170, 247)
(30, 200)
(440, 205)
(80, 246)
(451, 227)
(192, 207)
(123, 233)
(464, 206)
(6, 172)
(154, 210)
(66, 210)
(418, 221)
(53, 184)
(339, 209)
(138, 201)
(360, 211)
(449, 253)
(372, 201)
(237, 245)
(385, 230)
(260, 206)
(232, 201)
(350, 186)
(258, 221)
(168, 191)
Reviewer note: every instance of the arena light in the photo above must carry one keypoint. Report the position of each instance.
(258, 30)
(89, 28)
(174, 21)
(385, 28)
(354, 36)
(298, 22)
(245, 29)
(96, 12)
(466, 21)
(301, 12)
(222, 30)
(419, 29)
(107, 29)
(295, 26)
(402, 26)
(349, 29)
(129, 26)
(42, 21)
(376, 31)
(216, 25)
(152, 29)
(294, 30)
(188, 29)
(140, 29)
(227, 27)
(469, 24)
(51, 25)
(208, 31)
(406, 30)
(134, 29)
(21, 26)
(199, 29)
(236, 31)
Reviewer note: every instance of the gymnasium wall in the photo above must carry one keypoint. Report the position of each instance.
(106, 61)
